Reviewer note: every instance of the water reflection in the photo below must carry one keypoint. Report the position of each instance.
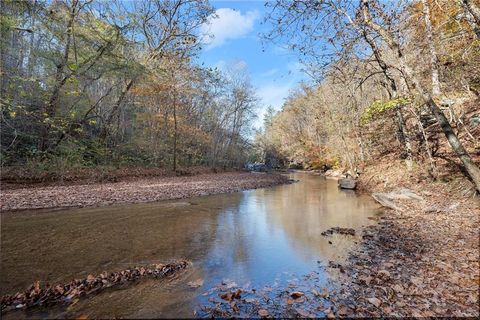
(250, 237)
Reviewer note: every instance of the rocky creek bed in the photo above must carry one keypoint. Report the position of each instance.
(420, 260)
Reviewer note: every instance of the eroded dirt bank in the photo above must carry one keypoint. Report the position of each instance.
(141, 190)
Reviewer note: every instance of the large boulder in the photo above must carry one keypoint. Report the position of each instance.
(388, 199)
(347, 184)
(385, 200)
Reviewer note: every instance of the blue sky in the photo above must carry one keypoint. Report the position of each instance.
(273, 70)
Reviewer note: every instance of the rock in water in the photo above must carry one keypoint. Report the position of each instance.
(347, 184)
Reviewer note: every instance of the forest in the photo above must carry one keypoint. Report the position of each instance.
(399, 83)
(239, 159)
(89, 84)
(100, 83)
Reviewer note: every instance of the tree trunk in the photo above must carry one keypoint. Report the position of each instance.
(174, 130)
(393, 93)
(403, 137)
(474, 11)
(115, 108)
(432, 169)
(5, 58)
(60, 80)
(471, 168)
(433, 52)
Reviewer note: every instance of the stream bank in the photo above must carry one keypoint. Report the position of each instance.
(135, 191)
(264, 240)
(420, 260)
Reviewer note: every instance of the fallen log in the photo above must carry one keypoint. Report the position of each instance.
(36, 295)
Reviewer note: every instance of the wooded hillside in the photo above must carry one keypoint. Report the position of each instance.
(96, 83)
(397, 81)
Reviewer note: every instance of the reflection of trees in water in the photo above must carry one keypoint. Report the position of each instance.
(232, 249)
(307, 208)
(61, 245)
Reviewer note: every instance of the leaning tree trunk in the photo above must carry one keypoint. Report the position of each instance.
(472, 169)
(115, 109)
(474, 11)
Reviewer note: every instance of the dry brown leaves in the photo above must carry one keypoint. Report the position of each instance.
(339, 230)
(48, 295)
(143, 190)
(418, 262)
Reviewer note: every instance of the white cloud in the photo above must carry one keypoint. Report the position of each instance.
(238, 65)
(232, 65)
(227, 24)
(274, 95)
(271, 94)
(281, 50)
(269, 73)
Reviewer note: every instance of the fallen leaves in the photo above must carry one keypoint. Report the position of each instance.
(413, 264)
(304, 314)
(263, 313)
(376, 302)
(289, 296)
(343, 310)
(48, 295)
(383, 274)
(364, 279)
(339, 230)
(136, 191)
(296, 294)
(229, 296)
(398, 289)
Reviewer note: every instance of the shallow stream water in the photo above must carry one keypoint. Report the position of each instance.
(254, 238)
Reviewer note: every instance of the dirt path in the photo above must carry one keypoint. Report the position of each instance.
(142, 190)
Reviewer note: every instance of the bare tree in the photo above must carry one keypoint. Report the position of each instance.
(433, 52)
(426, 96)
(309, 27)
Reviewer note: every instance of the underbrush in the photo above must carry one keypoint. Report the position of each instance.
(89, 161)
(38, 174)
